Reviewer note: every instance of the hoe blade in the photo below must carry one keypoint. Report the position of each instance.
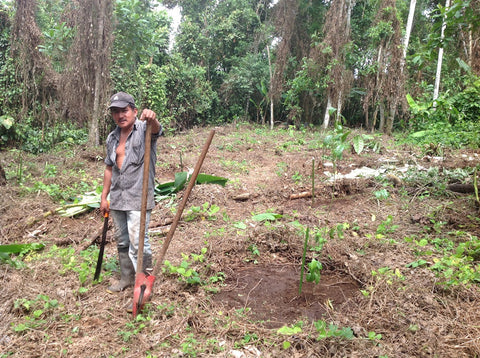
(142, 291)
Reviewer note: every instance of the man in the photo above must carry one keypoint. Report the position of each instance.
(123, 179)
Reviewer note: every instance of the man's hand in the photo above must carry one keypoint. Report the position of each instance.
(151, 118)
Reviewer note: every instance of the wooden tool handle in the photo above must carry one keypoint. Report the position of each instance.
(178, 215)
(143, 213)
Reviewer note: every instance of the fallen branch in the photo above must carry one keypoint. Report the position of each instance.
(461, 188)
(305, 194)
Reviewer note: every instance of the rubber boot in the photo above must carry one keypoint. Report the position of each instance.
(147, 263)
(127, 273)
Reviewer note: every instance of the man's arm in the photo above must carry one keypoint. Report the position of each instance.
(107, 182)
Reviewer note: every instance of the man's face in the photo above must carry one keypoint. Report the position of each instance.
(124, 117)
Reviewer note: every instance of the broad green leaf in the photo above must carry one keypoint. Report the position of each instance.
(211, 179)
(358, 144)
(419, 134)
(6, 121)
(20, 248)
(266, 217)
(289, 330)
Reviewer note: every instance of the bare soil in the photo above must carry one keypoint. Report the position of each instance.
(406, 312)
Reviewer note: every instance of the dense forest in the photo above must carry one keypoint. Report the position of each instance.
(382, 65)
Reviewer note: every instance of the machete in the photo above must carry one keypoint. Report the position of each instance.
(102, 248)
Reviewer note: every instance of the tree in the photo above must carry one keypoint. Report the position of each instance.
(440, 57)
(33, 72)
(297, 77)
(331, 53)
(382, 77)
(85, 82)
(228, 40)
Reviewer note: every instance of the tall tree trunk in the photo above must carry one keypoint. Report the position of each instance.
(408, 30)
(337, 36)
(94, 134)
(381, 108)
(440, 58)
(87, 73)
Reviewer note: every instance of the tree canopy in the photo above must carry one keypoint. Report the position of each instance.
(297, 62)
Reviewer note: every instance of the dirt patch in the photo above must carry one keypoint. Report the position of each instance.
(271, 293)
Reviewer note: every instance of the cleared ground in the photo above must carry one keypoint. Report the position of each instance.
(387, 245)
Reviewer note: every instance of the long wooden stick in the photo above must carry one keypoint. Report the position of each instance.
(143, 212)
(178, 215)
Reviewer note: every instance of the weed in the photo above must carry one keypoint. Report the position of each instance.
(418, 263)
(456, 270)
(184, 272)
(388, 274)
(297, 178)
(84, 265)
(50, 171)
(386, 227)
(36, 310)
(190, 345)
(381, 194)
(254, 253)
(132, 328)
(206, 211)
(375, 337)
(235, 166)
(266, 217)
(187, 274)
(248, 338)
(331, 330)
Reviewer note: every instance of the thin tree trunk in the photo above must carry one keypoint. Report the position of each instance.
(326, 117)
(94, 134)
(408, 29)
(381, 108)
(339, 105)
(440, 58)
(271, 88)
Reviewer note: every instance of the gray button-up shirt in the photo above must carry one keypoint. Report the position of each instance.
(126, 188)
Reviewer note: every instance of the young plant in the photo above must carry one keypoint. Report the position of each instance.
(206, 211)
(314, 267)
(336, 143)
(35, 312)
(331, 330)
(302, 269)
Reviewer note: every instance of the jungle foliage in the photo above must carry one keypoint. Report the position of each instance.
(293, 62)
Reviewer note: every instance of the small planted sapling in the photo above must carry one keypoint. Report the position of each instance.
(314, 267)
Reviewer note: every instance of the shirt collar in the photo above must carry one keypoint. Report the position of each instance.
(117, 130)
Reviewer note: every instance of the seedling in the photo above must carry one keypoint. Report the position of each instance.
(331, 330)
(206, 211)
(133, 328)
(336, 143)
(386, 227)
(35, 311)
(314, 267)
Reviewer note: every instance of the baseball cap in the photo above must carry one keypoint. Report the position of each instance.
(121, 100)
